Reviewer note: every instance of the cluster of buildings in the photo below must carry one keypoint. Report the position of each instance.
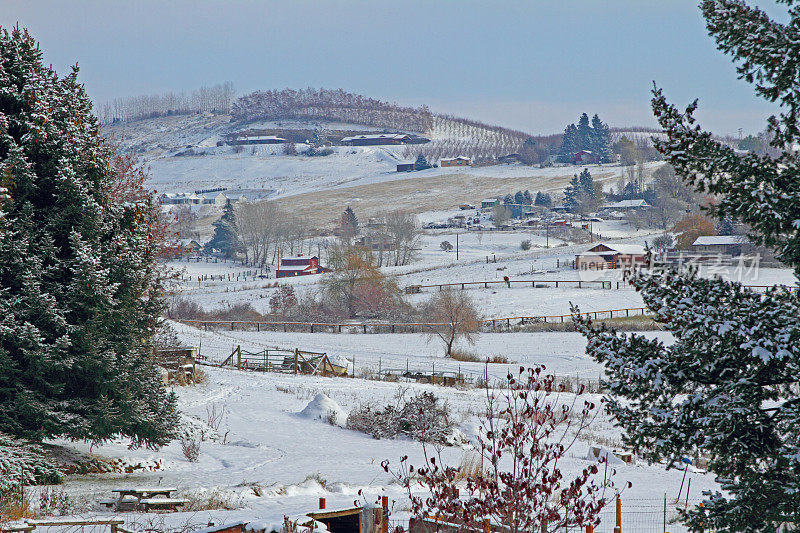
(215, 197)
(444, 163)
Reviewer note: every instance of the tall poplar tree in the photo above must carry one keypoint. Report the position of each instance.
(727, 388)
(80, 292)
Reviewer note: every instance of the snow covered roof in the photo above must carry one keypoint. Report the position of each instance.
(624, 249)
(376, 136)
(296, 257)
(294, 267)
(260, 138)
(459, 158)
(719, 240)
(626, 204)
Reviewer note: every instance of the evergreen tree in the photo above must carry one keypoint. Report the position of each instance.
(79, 283)
(543, 199)
(420, 164)
(725, 227)
(569, 144)
(226, 239)
(580, 196)
(572, 194)
(751, 144)
(348, 225)
(587, 184)
(527, 199)
(519, 198)
(584, 131)
(601, 139)
(727, 387)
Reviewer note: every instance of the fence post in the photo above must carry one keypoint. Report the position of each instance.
(295, 360)
(322, 503)
(665, 513)
(589, 529)
(487, 526)
(618, 529)
(385, 507)
(239, 356)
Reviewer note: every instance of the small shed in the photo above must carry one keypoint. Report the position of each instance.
(719, 244)
(179, 361)
(489, 203)
(584, 157)
(604, 256)
(405, 167)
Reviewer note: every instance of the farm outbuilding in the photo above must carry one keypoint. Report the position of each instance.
(258, 139)
(626, 205)
(299, 265)
(455, 162)
(380, 139)
(405, 167)
(584, 157)
(604, 256)
(719, 244)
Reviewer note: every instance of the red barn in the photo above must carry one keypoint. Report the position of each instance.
(585, 157)
(298, 265)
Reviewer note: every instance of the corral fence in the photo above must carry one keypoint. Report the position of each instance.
(286, 361)
(522, 283)
(446, 373)
(629, 515)
(489, 324)
(541, 284)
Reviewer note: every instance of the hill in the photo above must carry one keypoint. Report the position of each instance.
(189, 148)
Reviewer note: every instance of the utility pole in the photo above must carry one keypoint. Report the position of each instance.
(456, 246)
(547, 235)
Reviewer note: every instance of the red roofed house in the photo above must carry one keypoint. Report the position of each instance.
(299, 265)
(584, 157)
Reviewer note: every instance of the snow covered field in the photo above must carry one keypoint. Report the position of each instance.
(294, 459)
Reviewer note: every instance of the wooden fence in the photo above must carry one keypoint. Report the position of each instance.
(492, 324)
(533, 283)
(294, 361)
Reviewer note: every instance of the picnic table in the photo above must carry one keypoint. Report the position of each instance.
(144, 498)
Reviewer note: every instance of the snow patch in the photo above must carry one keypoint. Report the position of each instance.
(323, 408)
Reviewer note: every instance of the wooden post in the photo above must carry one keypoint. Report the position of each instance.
(589, 529)
(239, 357)
(385, 507)
(487, 526)
(618, 529)
(322, 503)
(295, 360)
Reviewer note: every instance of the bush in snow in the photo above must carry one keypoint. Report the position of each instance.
(421, 417)
(21, 461)
(515, 475)
(191, 449)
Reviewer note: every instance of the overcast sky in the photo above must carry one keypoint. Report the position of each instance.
(534, 65)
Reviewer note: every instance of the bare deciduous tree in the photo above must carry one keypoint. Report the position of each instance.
(456, 317)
